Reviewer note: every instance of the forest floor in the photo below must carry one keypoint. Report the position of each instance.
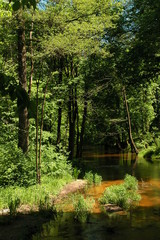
(26, 223)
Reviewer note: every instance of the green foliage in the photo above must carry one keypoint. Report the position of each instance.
(92, 178)
(96, 42)
(46, 206)
(124, 195)
(82, 208)
(19, 4)
(130, 182)
(76, 172)
(55, 164)
(97, 179)
(13, 205)
(89, 177)
(35, 196)
(15, 167)
(148, 154)
(152, 152)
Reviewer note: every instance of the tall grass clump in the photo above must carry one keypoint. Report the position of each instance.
(82, 208)
(93, 178)
(124, 195)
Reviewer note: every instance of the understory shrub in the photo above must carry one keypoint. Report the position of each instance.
(123, 195)
(148, 154)
(55, 164)
(152, 153)
(16, 168)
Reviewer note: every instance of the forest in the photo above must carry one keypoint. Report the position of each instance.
(73, 74)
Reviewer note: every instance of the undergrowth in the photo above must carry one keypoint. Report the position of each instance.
(33, 196)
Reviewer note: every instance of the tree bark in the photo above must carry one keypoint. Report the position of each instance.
(37, 171)
(72, 119)
(72, 111)
(60, 107)
(83, 126)
(41, 130)
(23, 133)
(32, 64)
(133, 146)
(78, 135)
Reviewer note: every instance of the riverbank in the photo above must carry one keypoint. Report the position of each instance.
(151, 153)
(28, 221)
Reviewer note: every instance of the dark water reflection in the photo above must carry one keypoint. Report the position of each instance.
(115, 166)
(141, 223)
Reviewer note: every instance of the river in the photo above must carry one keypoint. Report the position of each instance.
(140, 223)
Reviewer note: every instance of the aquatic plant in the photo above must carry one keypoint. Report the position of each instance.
(97, 179)
(82, 208)
(89, 177)
(124, 195)
(130, 182)
(92, 178)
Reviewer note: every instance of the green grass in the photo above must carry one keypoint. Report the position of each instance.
(82, 207)
(34, 195)
(124, 195)
(93, 178)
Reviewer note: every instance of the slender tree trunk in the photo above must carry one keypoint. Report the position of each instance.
(83, 125)
(71, 116)
(133, 146)
(157, 109)
(41, 130)
(76, 117)
(66, 133)
(78, 135)
(60, 107)
(32, 64)
(59, 125)
(37, 171)
(23, 134)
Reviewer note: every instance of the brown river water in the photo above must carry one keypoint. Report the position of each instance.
(140, 223)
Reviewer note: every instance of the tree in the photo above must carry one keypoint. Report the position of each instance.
(23, 98)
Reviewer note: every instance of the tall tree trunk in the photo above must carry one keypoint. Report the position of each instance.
(32, 65)
(41, 130)
(59, 124)
(72, 112)
(60, 107)
(133, 146)
(23, 134)
(72, 118)
(83, 125)
(37, 171)
(78, 135)
(157, 109)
